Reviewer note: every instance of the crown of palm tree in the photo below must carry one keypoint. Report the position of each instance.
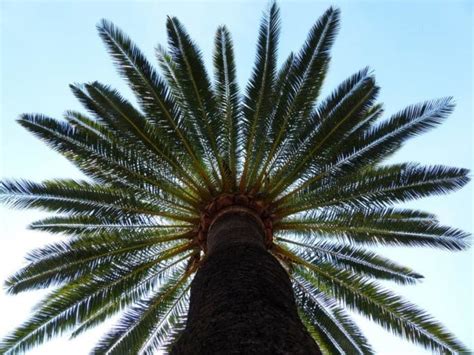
(308, 169)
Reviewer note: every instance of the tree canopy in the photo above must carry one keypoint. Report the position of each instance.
(312, 168)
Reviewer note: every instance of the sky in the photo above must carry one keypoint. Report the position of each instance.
(418, 50)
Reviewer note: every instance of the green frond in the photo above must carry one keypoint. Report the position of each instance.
(81, 122)
(228, 102)
(169, 326)
(82, 198)
(197, 99)
(280, 127)
(379, 187)
(174, 334)
(144, 326)
(68, 306)
(124, 295)
(330, 122)
(257, 100)
(324, 340)
(378, 227)
(151, 91)
(379, 305)
(357, 260)
(337, 330)
(63, 262)
(92, 225)
(379, 141)
(312, 62)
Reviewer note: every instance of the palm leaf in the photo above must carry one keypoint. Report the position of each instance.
(145, 320)
(257, 101)
(68, 306)
(358, 261)
(340, 333)
(227, 97)
(379, 227)
(382, 306)
(331, 121)
(195, 89)
(379, 187)
(150, 90)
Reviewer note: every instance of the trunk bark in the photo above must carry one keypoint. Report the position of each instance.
(241, 297)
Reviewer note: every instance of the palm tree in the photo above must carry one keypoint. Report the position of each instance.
(216, 222)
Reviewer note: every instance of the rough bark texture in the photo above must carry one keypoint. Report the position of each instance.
(241, 298)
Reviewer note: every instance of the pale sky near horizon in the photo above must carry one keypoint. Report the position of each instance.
(418, 50)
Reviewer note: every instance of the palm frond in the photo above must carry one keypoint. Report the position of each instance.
(312, 61)
(279, 129)
(340, 333)
(92, 225)
(68, 306)
(331, 121)
(63, 262)
(379, 187)
(196, 92)
(257, 100)
(378, 227)
(151, 92)
(380, 305)
(145, 324)
(82, 198)
(228, 102)
(357, 260)
(126, 295)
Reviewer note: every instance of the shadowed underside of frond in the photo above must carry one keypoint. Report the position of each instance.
(308, 168)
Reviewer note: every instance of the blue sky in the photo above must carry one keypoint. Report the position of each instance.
(418, 50)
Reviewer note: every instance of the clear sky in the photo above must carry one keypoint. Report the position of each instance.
(418, 50)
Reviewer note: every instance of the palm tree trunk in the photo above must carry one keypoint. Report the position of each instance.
(241, 297)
